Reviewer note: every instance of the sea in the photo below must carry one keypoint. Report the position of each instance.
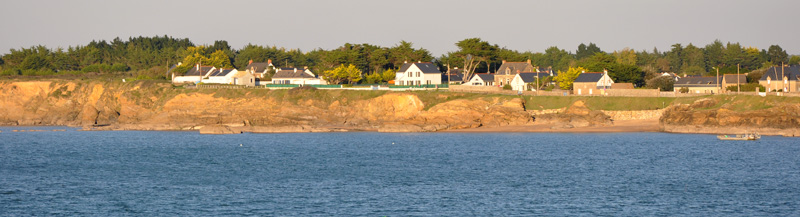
(163, 173)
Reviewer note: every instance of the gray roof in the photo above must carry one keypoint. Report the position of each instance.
(589, 77)
(220, 72)
(291, 73)
(485, 76)
(257, 66)
(696, 82)
(514, 67)
(425, 67)
(202, 72)
(452, 77)
(530, 77)
(731, 78)
(774, 73)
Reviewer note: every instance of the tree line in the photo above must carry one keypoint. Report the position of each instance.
(150, 57)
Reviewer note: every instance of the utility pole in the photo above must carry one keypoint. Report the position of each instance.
(783, 85)
(738, 87)
(717, 78)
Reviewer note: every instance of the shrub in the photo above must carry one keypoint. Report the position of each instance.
(506, 87)
(684, 90)
(749, 87)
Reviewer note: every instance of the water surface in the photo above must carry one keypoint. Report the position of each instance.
(395, 174)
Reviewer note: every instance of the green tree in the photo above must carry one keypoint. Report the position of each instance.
(664, 83)
(794, 60)
(776, 55)
(471, 53)
(343, 74)
(566, 79)
(626, 56)
(219, 59)
(586, 51)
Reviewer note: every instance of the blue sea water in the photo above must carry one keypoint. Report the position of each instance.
(111, 173)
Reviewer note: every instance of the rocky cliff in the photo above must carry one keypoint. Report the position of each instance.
(159, 106)
(710, 115)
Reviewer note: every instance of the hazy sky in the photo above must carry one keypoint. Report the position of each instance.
(432, 24)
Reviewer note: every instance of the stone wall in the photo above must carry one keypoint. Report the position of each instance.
(615, 115)
(475, 89)
(633, 92)
(634, 115)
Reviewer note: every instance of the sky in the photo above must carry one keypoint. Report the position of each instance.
(436, 25)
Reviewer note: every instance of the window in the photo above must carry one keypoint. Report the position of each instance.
(418, 74)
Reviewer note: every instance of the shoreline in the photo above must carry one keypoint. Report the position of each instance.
(621, 126)
(650, 125)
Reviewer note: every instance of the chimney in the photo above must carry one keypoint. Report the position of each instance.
(504, 61)
(405, 61)
(305, 67)
(269, 61)
(419, 61)
(295, 69)
(250, 62)
(605, 71)
(529, 61)
(198, 67)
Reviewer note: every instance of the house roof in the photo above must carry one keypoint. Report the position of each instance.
(774, 73)
(452, 77)
(291, 73)
(202, 72)
(485, 76)
(589, 77)
(220, 72)
(424, 67)
(732, 78)
(622, 86)
(696, 82)
(529, 77)
(514, 68)
(258, 66)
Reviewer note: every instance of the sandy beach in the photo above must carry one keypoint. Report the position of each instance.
(618, 126)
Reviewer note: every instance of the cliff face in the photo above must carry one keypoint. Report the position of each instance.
(702, 117)
(153, 106)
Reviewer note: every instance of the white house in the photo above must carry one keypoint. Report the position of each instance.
(418, 73)
(194, 75)
(592, 83)
(481, 79)
(220, 76)
(296, 76)
(521, 80)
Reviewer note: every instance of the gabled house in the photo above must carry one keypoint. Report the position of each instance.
(243, 78)
(194, 75)
(784, 78)
(296, 76)
(219, 76)
(508, 70)
(528, 80)
(592, 83)
(698, 84)
(731, 80)
(258, 69)
(481, 79)
(418, 73)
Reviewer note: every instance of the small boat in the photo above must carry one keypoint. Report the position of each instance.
(746, 136)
